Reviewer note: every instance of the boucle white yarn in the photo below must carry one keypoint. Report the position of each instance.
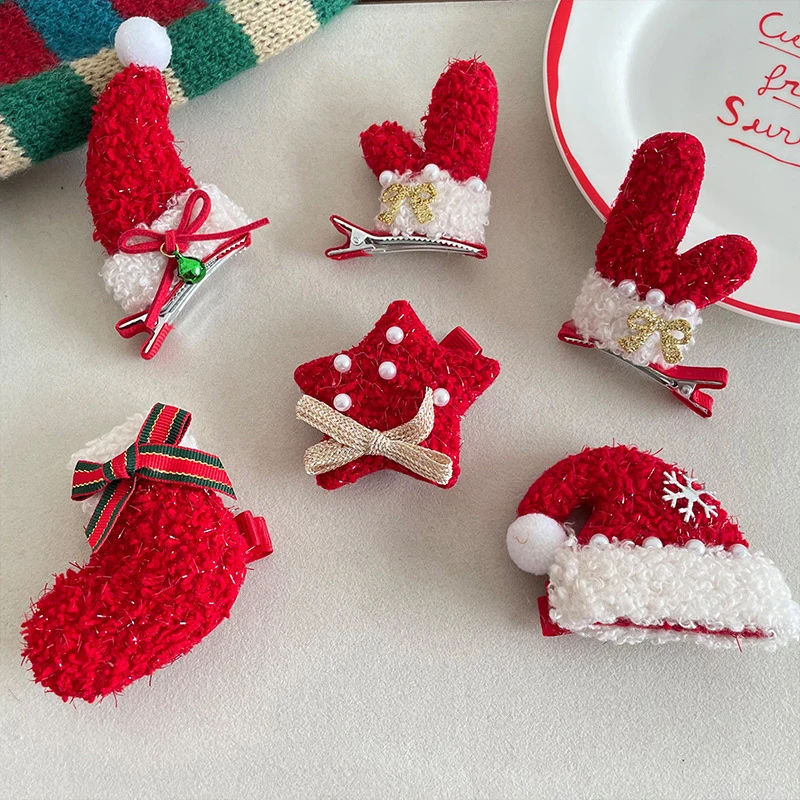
(111, 444)
(460, 210)
(601, 313)
(132, 278)
(593, 586)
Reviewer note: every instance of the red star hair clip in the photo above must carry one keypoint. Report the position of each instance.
(394, 401)
(642, 301)
(167, 564)
(164, 233)
(433, 191)
(658, 558)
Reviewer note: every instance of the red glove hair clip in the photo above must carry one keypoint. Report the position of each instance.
(642, 301)
(433, 193)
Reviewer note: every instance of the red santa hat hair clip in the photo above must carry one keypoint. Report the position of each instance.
(394, 401)
(642, 301)
(433, 192)
(167, 564)
(164, 233)
(658, 559)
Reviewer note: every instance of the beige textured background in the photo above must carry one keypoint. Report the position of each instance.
(388, 648)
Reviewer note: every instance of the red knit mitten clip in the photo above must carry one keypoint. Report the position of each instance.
(641, 302)
(395, 401)
(163, 232)
(658, 559)
(169, 559)
(433, 191)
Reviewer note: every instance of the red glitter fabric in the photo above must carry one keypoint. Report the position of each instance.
(624, 488)
(459, 128)
(649, 219)
(22, 49)
(167, 575)
(456, 365)
(132, 168)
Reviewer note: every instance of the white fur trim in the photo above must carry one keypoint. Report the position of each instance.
(601, 313)
(533, 541)
(592, 587)
(132, 279)
(111, 444)
(460, 210)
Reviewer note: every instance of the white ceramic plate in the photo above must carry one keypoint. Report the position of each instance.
(618, 71)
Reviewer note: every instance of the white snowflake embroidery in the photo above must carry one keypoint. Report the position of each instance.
(679, 487)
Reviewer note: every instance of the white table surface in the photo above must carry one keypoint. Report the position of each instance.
(389, 648)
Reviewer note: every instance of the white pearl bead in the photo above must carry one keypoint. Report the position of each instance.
(387, 370)
(686, 308)
(431, 172)
(739, 550)
(441, 397)
(628, 288)
(386, 177)
(477, 185)
(142, 41)
(342, 402)
(653, 541)
(695, 545)
(395, 335)
(655, 297)
(342, 363)
(599, 539)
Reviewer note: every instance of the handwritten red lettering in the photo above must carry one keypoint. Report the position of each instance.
(770, 25)
(730, 104)
(776, 82)
(735, 105)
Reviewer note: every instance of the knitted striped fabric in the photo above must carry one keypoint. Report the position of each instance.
(57, 55)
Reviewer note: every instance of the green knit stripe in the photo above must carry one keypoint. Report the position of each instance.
(51, 112)
(48, 113)
(326, 10)
(208, 48)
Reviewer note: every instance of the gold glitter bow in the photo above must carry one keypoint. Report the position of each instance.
(420, 197)
(350, 440)
(644, 323)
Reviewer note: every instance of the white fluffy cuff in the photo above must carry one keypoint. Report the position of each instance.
(594, 588)
(132, 278)
(601, 313)
(460, 210)
(111, 444)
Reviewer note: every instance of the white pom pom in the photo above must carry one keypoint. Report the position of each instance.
(142, 41)
(533, 541)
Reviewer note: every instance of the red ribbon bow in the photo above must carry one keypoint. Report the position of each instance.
(174, 241)
(155, 455)
(177, 239)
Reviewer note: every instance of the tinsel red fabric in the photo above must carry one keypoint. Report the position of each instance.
(623, 488)
(649, 219)
(166, 576)
(456, 364)
(459, 128)
(132, 168)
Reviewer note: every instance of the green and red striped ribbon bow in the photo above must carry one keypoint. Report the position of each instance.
(156, 456)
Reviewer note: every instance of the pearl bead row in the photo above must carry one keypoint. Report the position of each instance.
(386, 369)
(656, 298)
(431, 172)
(653, 542)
